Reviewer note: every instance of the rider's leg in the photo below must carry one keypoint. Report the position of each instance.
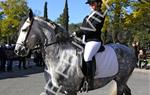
(91, 48)
(145, 64)
(140, 64)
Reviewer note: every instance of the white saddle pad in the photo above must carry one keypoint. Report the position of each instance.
(106, 63)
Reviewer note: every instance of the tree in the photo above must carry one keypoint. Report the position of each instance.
(1, 15)
(120, 21)
(143, 22)
(74, 27)
(64, 17)
(115, 17)
(13, 10)
(139, 21)
(130, 25)
(45, 11)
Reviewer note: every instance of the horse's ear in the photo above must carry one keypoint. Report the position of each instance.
(30, 14)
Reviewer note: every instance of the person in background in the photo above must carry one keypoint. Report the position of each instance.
(142, 58)
(2, 58)
(22, 63)
(135, 45)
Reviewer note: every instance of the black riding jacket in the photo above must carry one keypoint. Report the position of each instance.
(91, 27)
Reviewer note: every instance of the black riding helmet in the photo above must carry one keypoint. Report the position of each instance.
(90, 1)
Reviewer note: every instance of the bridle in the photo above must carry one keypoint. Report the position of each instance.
(44, 45)
(28, 32)
(23, 43)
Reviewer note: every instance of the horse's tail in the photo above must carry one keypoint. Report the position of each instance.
(113, 89)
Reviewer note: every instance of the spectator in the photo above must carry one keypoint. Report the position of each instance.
(2, 58)
(38, 58)
(22, 62)
(135, 45)
(142, 58)
(9, 52)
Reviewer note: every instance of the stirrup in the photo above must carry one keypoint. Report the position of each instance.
(85, 87)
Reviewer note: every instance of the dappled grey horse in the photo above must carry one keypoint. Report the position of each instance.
(63, 72)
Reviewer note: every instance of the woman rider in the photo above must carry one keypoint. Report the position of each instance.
(91, 29)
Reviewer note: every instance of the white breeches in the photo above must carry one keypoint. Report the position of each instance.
(91, 48)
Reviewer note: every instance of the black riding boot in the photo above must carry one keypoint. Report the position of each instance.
(90, 74)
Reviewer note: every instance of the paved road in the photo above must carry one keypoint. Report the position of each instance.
(31, 82)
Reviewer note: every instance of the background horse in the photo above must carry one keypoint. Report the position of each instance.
(63, 72)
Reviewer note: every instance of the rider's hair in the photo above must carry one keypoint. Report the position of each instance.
(99, 5)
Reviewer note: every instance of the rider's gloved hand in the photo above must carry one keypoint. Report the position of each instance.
(74, 34)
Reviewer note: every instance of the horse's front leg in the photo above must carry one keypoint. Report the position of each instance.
(49, 88)
(120, 89)
(127, 90)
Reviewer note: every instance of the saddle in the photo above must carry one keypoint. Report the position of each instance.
(77, 42)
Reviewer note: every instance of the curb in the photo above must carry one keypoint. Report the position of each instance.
(141, 70)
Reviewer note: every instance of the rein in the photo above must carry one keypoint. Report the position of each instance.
(46, 45)
(50, 44)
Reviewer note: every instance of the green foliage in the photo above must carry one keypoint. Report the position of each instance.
(45, 11)
(64, 17)
(114, 18)
(140, 22)
(60, 19)
(13, 10)
(126, 26)
(74, 27)
(1, 15)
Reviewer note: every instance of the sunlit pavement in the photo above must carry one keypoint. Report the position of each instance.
(31, 82)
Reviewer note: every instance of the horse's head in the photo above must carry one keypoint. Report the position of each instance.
(36, 31)
(28, 37)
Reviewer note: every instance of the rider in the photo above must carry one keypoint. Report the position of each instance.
(91, 30)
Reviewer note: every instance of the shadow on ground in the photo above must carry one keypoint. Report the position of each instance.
(21, 73)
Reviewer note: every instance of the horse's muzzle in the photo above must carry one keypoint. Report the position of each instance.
(21, 50)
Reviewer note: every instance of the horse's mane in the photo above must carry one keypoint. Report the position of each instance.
(61, 34)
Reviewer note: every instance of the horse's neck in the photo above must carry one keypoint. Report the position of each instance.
(58, 54)
(62, 59)
(57, 49)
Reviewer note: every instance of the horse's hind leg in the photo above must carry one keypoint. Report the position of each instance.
(127, 90)
(123, 89)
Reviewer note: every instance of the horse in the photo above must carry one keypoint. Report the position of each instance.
(63, 73)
